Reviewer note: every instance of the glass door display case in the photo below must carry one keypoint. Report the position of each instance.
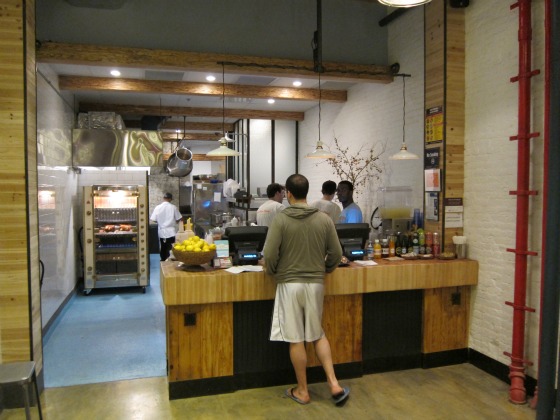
(115, 237)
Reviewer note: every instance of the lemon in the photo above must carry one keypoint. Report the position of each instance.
(189, 248)
(212, 246)
(197, 249)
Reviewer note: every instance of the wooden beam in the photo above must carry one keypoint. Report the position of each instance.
(83, 83)
(168, 136)
(177, 111)
(97, 55)
(176, 125)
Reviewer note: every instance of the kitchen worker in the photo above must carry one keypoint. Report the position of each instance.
(326, 204)
(166, 215)
(351, 212)
(301, 246)
(270, 208)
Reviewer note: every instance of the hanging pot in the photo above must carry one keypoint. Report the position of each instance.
(180, 163)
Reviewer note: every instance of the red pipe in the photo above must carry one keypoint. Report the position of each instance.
(547, 66)
(517, 392)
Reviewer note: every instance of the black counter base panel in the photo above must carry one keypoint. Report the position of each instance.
(445, 358)
(201, 387)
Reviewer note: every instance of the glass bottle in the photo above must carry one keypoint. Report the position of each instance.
(398, 245)
(415, 243)
(392, 250)
(404, 244)
(369, 250)
(422, 241)
(377, 250)
(384, 248)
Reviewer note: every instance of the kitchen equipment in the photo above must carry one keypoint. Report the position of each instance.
(395, 209)
(115, 236)
(180, 162)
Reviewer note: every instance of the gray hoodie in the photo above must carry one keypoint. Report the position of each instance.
(301, 245)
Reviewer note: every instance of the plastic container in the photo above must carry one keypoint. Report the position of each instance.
(395, 202)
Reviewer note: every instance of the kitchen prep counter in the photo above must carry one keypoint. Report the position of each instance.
(394, 315)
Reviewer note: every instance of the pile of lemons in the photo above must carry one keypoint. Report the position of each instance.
(194, 244)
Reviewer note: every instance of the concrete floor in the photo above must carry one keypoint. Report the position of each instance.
(452, 392)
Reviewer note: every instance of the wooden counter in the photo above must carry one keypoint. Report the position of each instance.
(395, 315)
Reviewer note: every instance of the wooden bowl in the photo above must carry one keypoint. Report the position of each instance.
(193, 258)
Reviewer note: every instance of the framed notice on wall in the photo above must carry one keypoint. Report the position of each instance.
(432, 206)
(434, 125)
(432, 180)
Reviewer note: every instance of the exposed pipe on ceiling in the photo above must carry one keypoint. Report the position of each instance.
(517, 391)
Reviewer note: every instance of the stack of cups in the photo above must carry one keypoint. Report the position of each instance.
(460, 243)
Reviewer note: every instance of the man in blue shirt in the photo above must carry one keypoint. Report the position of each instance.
(351, 212)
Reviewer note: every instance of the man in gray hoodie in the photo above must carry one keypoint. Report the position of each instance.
(301, 246)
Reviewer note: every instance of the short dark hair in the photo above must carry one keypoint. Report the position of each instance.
(348, 184)
(168, 195)
(273, 188)
(329, 187)
(298, 186)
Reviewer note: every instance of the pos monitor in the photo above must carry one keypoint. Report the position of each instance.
(246, 243)
(353, 238)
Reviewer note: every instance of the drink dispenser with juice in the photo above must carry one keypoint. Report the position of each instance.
(395, 208)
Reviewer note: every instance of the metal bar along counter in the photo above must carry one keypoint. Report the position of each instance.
(392, 316)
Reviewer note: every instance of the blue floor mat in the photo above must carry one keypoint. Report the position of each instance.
(110, 335)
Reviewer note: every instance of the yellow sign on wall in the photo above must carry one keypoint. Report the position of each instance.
(434, 125)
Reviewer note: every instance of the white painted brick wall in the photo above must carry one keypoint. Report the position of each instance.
(491, 172)
(373, 114)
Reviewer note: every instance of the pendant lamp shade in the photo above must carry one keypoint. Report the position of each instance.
(320, 153)
(403, 154)
(223, 150)
(403, 3)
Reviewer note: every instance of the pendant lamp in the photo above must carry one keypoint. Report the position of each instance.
(319, 152)
(404, 154)
(403, 3)
(223, 150)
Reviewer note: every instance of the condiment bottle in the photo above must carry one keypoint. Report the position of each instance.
(384, 248)
(415, 244)
(404, 244)
(392, 250)
(422, 241)
(398, 245)
(377, 250)
(369, 251)
(436, 247)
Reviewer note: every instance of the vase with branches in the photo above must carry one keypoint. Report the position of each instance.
(360, 168)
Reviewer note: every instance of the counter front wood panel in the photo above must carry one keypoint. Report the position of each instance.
(180, 287)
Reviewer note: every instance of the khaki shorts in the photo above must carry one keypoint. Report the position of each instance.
(298, 311)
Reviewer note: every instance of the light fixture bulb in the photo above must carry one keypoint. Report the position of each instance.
(115, 73)
(403, 3)
(223, 150)
(210, 78)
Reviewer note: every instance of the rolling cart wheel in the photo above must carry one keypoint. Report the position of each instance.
(87, 292)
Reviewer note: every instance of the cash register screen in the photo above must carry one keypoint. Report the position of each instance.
(353, 238)
(246, 243)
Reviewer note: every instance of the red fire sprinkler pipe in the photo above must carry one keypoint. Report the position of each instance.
(517, 392)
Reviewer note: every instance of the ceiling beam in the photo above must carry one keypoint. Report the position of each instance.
(184, 126)
(177, 111)
(83, 83)
(168, 136)
(97, 55)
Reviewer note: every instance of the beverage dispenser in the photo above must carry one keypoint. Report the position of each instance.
(395, 209)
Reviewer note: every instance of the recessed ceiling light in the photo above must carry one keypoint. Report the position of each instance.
(271, 101)
(296, 83)
(210, 78)
(115, 73)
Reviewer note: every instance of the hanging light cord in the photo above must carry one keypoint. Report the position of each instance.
(320, 105)
(223, 100)
(404, 106)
